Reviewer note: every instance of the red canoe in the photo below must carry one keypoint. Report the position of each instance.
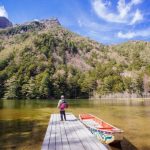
(104, 131)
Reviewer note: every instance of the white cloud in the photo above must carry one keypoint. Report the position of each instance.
(36, 19)
(130, 35)
(87, 23)
(137, 17)
(125, 13)
(135, 2)
(3, 12)
(84, 22)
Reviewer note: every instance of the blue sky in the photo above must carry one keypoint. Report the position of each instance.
(106, 21)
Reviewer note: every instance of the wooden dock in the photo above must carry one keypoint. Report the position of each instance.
(69, 135)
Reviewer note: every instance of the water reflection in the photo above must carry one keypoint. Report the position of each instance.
(127, 102)
(23, 123)
(125, 144)
(14, 133)
(18, 104)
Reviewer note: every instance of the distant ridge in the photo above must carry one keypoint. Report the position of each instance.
(35, 25)
(4, 23)
(46, 22)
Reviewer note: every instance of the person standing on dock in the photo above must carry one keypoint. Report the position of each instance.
(62, 104)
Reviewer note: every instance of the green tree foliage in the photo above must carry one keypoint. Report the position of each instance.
(3, 64)
(1, 45)
(72, 47)
(43, 84)
(3, 78)
(133, 85)
(12, 88)
(29, 90)
(40, 61)
(45, 43)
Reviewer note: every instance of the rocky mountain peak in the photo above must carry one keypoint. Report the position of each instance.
(51, 22)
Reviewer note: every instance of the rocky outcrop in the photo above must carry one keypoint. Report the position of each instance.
(51, 22)
(4, 23)
(36, 25)
(46, 23)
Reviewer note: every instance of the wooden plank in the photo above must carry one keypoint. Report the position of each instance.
(52, 145)
(83, 134)
(47, 135)
(73, 123)
(95, 141)
(92, 140)
(64, 139)
(69, 135)
(74, 141)
(58, 135)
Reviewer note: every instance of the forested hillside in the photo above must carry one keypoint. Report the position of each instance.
(42, 59)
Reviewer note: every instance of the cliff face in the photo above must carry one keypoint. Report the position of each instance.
(4, 22)
(51, 22)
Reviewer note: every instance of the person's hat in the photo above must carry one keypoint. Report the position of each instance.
(62, 96)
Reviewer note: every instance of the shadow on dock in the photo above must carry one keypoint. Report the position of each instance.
(125, 144)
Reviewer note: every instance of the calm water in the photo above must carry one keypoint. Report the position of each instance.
(23, 123)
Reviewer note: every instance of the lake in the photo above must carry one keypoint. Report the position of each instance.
(23, 123)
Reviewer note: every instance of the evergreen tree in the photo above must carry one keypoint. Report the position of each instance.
(29, 89)
(11, 87)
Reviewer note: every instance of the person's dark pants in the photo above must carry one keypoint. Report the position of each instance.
(62, 115)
